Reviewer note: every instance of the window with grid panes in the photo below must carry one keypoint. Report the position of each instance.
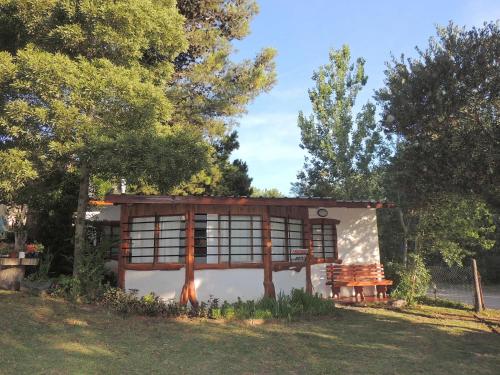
(228, 239)
(286, 234)
(169, 239)
(324, 237)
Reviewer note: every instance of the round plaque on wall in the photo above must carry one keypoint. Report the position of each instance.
(322, 212)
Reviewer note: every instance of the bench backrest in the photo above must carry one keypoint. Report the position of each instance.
(355, 272)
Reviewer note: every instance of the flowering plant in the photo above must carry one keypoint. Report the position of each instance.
(34, 248)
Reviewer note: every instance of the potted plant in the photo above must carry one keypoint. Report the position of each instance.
(33, 250)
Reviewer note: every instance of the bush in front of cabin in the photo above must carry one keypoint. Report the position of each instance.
(297, 305)
(414, 280)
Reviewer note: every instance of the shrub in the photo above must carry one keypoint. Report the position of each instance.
(66, 287)
(414, 280)
(126, 303)
(42, 272)
(88, 286)
(298, 304)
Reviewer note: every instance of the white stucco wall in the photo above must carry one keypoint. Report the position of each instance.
(229, 284)
(103, 213)
(166, 284)
(357, 235)
(285, 281)
(357, 240)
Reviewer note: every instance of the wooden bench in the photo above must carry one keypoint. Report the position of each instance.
(357, 276)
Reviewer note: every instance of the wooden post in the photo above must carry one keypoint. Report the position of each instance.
(481, 290)
(267, 258)
(125, 244)
(308, 242)
(478, 303)
(189, 291)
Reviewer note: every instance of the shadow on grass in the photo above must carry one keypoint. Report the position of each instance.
(46, 336)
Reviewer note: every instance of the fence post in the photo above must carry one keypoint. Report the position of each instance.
(478, 303)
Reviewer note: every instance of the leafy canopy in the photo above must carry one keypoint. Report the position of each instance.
(344, 149)
(444, 106)
(77, 90)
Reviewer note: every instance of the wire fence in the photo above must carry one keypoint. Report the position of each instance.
(452, 283)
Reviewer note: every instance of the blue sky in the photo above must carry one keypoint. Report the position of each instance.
(303, 32)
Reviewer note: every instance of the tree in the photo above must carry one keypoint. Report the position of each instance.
(210, 89)
(78, 94)
(267, 193)
(345, 153)
(222, 177)
(452, 228)
(123, 89)
(444, 108)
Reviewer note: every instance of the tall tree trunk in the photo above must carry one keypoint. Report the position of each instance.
(83, 199)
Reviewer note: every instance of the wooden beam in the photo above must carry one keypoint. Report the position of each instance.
(242, 201)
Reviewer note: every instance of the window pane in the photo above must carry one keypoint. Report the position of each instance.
(172, 243)
(241, 239)
(142, 239)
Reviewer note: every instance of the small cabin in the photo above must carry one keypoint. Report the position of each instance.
(190, 248)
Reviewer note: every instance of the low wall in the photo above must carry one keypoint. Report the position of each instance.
(166, 284)
(229, 284)
(285, 281)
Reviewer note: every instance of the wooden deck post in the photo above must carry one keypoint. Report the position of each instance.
(188, 290)
(124, 248)
(269, 290)
(309, 256)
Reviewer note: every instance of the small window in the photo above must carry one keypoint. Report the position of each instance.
(324, 236)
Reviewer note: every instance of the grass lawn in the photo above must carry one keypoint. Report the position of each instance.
(48, 336)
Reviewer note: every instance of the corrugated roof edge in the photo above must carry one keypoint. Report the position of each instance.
(244, 201)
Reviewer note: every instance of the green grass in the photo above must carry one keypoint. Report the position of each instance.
(48, 336)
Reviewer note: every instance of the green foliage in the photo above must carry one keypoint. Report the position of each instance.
(15, 172)
(52, 202)
(297, 305)
(221, 177)
(390, 236)
(444, 110)
(454, 227)
(440, 302)
(43, 269)
(116, 30)
(88, 285)
(414, 280)
(345, 150)
(210, 89)
(267, 193)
